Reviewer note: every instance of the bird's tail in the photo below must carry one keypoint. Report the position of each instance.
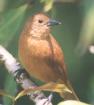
(69, 95)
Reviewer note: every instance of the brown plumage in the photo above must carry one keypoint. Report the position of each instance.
(40, 53)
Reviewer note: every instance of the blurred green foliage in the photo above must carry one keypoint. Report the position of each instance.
(75, 36)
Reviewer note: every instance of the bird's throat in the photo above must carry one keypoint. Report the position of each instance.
(43, 36)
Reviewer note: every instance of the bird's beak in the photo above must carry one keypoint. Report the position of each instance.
(53, 22)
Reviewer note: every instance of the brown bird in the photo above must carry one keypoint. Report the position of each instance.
(40, 53)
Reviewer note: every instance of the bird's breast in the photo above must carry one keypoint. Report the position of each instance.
(35, 55)
(32, 56)
(38, 48)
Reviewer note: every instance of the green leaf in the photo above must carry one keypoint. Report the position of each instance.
(48, 4)
(3, 93)
(6, 5)
(11, 88)
(10, 24)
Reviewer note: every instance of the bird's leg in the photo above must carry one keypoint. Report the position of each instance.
(20, 74)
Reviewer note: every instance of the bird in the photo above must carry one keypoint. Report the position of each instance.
(41, 55)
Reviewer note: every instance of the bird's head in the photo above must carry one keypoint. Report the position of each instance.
(41, 24)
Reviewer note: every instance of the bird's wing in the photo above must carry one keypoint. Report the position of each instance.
(56, 59)
(57, 68)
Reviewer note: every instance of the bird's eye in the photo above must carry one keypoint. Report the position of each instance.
(40, 21)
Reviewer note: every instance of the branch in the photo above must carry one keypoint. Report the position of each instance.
(15, 69)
